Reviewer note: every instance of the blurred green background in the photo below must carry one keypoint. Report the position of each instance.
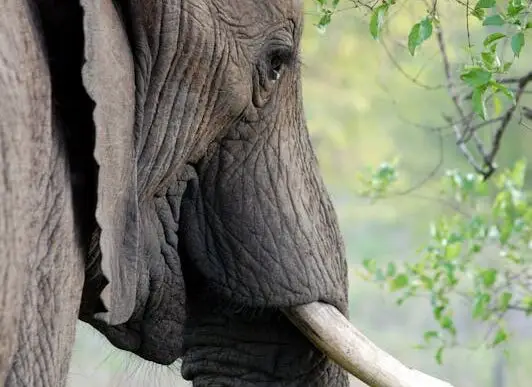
(361, 111)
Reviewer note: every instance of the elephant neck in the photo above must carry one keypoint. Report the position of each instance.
(230, 346)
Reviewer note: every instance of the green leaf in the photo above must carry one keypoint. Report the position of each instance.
(493, 38)
(439, 355)
(427, 282)
(455, 238)
(497, 104)
(324, 21)
(479, 102)
(437, 311)
(479, 13)
(493, 20)
(487, 59)
(491, 60)
(527, 304)
(504, 300)
(413, 38)
(518, 41)
(476, 76)
(428, 335)
(475, 248)
(500, 88)
(486, 4)
(500, 336)
(399, 282)
(505, 232)
(419, 33)
(506, 66)
(370, 265)
(377, 20)
(488, 277)
(480, 304)
(391, 269)
(447, 323)
(386, 172)
(514, 7)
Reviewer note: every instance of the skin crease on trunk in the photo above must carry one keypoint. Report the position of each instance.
(208, 214)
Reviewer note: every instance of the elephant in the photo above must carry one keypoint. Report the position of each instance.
(158, 181)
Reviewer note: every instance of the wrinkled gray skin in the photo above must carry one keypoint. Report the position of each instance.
(158, 179)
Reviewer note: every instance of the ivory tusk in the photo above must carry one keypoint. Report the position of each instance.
(332, 333)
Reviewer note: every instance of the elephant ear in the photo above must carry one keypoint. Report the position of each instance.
(109, 79)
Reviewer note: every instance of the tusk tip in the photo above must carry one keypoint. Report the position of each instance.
(332, 333)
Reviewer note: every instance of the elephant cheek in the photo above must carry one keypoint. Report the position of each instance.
(253, 240)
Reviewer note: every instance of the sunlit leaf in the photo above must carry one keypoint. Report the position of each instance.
(370, 265)
(399, 282)
(488, 277)
(476, 76)
(447, 323)
(500, 88)
(500, 336)
(497, 105)
(493, 38)
(515, 7)
(490, 59)
(377, 20)
(419, 33)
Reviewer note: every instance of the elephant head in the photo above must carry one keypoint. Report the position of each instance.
(212, 218)
(163, 144)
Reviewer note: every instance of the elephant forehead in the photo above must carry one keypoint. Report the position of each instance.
(259, 12)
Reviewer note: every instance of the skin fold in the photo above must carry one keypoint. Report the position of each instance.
(196, 203)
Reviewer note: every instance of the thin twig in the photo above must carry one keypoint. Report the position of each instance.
(523, 82)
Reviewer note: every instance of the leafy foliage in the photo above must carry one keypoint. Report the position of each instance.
(326, 8)
(493, 215)
(476, 255)
(510, 17)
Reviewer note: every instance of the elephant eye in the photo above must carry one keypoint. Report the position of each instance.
(276, 66)
(274, 60)
(278, 59)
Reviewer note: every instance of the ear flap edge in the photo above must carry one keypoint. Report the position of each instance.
(109, 79)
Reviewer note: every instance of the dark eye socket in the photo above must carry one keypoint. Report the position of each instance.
(276, 62)
(278, 59)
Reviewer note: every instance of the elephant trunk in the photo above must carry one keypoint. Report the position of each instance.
(332, 333)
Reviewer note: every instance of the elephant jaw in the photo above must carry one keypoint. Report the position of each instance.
(332, 333)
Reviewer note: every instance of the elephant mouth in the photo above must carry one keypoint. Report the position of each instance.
(332, 333)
